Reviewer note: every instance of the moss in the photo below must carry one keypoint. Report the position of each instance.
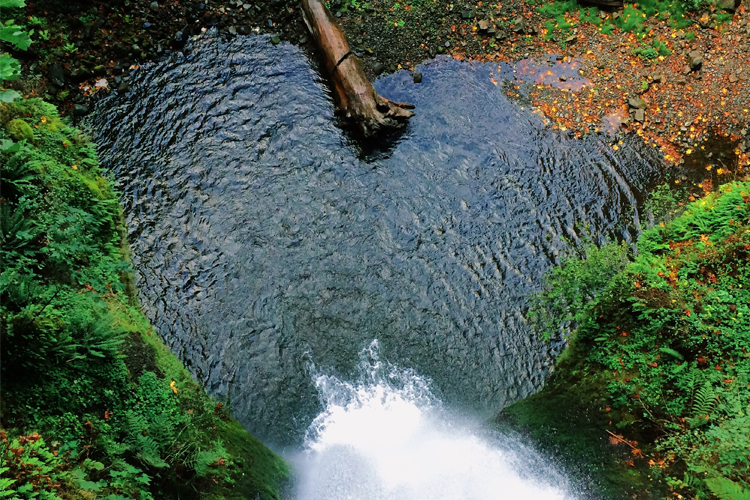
(19, 130)
(88, 362)
(570, 420)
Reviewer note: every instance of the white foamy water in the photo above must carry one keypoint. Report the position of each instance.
(386, 436)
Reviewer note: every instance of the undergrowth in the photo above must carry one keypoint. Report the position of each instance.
(93, 404)
(664, 334)
(564, 15)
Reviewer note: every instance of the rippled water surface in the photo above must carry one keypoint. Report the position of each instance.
(266, 243)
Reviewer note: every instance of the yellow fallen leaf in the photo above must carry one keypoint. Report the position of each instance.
(173, 386)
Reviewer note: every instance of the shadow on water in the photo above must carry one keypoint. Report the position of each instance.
(263, 241)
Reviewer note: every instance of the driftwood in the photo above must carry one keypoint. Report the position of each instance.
(356, 99)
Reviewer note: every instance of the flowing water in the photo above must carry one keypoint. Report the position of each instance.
(386, 436)
(265, 241)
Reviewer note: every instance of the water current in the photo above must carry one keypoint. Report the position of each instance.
(266, 242)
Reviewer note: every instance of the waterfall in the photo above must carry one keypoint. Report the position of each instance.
(387, 436)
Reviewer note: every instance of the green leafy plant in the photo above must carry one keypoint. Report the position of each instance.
(668, 327)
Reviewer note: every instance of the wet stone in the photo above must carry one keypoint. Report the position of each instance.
(56, 75)
(417, 77)
(466, 15)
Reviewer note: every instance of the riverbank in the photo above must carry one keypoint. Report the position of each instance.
(673, 77)
(650, 399)
(93, 404)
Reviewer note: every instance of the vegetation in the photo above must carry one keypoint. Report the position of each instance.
(659, 358)
(18, 38)
(565, 15)
(93, 405)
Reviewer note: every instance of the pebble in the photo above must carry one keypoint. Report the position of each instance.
(80, 109)
(154, 6)
(417, 77)
(378, 68)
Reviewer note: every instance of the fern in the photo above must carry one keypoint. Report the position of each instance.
(727, 489)
(704, 400)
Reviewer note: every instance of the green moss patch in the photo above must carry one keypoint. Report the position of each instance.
(90, 394)
(660, 356)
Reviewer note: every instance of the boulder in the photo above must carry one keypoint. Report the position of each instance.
(637, 103)
(695, 60)
(728, 5)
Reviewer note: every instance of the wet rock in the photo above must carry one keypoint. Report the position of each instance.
(563, 78)
(378, 68)
(417, 77)
(519, 25)
(657, 78)
(80, 109)
(56, 75)
(154, 6)
(483, 25)
(728, 5)
(694, 60)
(733, 78)
(146, 25)
(639, 115)
(123, 88)
(275, 40)
(637, 103)
(466, 15)
(233, 30)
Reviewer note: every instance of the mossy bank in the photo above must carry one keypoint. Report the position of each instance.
(93, 404)
(652, 397)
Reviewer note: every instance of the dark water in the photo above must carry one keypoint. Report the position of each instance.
(264, 241)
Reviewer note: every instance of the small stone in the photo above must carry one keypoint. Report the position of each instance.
(637, 103)
(483, 25)
(657, 78)
(56, 75)
(233, 30)
(466, 15)
(246, 6)
(270, 23)
(146, 25)
(123, 87)
(571, 39)
(563, 78)
(417, 77)
(275, 40)
(640, 115)
(80, 109)
(447, 44)
(733, 78)
(378, 68)
(154, 6)
(519, 25)
(695, 60)
(178, 36)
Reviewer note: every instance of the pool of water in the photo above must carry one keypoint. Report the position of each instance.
(268, 245)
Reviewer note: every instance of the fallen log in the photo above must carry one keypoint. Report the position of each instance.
(356, 99)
